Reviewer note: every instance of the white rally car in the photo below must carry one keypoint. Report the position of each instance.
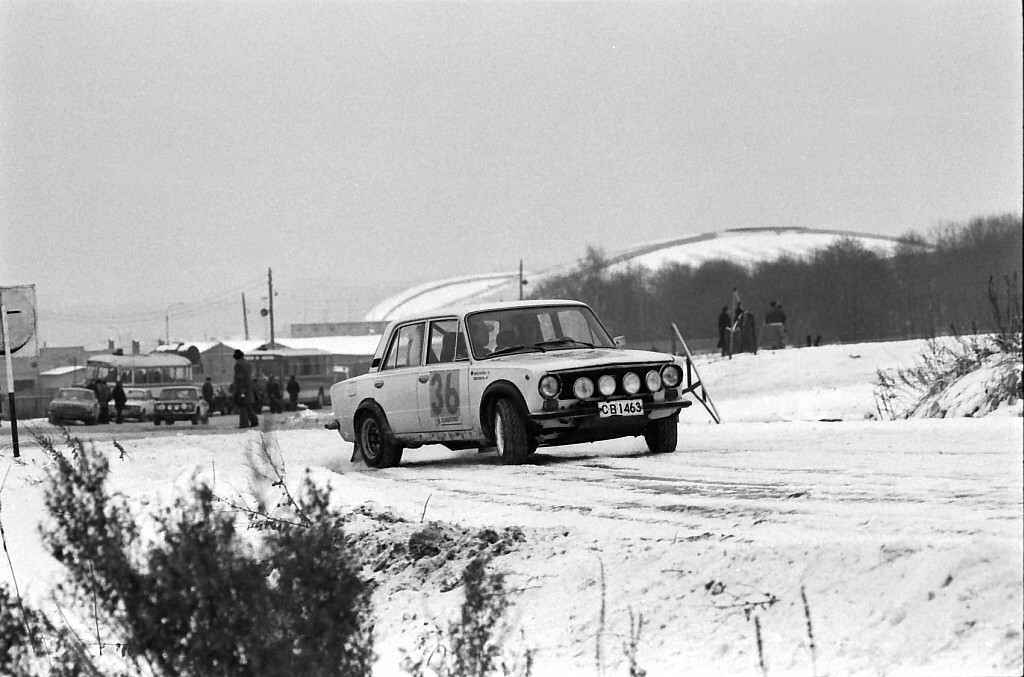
(509, 377)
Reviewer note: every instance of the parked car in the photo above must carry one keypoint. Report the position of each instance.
(139, 404)
(509, 377)
(74, 404)
(181, 403)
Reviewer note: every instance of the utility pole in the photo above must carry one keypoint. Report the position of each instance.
(522, 282)
(245, 318)
(8, 349)
(270, 292)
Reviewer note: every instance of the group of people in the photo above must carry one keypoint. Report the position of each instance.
(249, 396)
(737, 331)
(105, 395)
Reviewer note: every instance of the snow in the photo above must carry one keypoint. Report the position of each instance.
(907, 537)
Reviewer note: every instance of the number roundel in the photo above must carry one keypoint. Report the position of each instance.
(444, 392)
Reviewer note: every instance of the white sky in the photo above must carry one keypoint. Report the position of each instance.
(172, 152)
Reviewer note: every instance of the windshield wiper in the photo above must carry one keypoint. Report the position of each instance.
(515, 349)
(563, 341)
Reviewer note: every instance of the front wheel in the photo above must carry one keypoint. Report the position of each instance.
(376, 443)
(510, 433)
(662, 433)
(156, 421)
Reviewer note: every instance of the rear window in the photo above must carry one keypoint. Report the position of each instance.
(75, 395)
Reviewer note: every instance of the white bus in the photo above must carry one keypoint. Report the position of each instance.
(153, 371)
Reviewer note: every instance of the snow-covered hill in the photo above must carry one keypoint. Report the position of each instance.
(744, 246)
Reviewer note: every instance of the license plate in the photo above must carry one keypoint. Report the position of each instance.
(621, 408)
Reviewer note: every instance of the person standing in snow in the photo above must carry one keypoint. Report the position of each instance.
(775, 327)
(119, 397)
(208, 391)
(103, 395)
(244, 396)
(293, 389)
(724, 325)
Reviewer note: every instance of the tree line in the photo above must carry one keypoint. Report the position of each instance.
(932, 285)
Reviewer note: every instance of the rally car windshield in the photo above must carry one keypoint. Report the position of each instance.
(179, 394)
(518, 330)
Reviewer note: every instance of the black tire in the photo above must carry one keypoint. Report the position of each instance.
(89, 421)
(662, 434)
(156, 420)
(376, 443)
(195, 418)
(510, 433)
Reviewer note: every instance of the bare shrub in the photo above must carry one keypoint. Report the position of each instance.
(913, 391)
(474, 645)
(197, 598)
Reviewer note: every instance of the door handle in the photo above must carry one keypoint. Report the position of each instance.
(424, 378)
(378, 384)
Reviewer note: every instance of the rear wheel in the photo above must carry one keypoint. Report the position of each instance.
(510, 433)
(156, 420)
(662, 433)
(376, 442)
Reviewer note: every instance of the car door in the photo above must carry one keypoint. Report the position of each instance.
(395, 386)
(443, 395)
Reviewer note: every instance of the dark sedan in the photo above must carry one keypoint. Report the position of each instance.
(74, 404)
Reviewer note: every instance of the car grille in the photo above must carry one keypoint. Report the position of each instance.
(568, 378)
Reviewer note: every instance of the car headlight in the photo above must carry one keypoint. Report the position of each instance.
(606, 384)
(671, 375)
(583, 388)
(653, 380)
(631, 383)
(549, 386)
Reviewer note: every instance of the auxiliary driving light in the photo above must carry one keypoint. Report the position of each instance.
(583, 388)
(549, 386)
(606, 384)
(671, 375)
(653, 380)
(631, 383)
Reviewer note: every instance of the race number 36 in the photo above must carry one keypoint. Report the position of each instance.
(444, 392)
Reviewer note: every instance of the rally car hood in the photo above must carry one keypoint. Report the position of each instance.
(576, 358)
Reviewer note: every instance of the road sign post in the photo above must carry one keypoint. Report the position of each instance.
(10, 375)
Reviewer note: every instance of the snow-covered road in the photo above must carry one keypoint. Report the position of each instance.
(905, 537)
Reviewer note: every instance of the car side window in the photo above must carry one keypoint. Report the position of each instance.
(446, 344)
(406, 349)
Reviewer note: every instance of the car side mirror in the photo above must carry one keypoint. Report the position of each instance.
(619, 341)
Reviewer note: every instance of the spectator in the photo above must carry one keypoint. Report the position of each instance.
(243, 392)
(724, 328)
(274, 398)
(103, 395)
(775, 327)
(258, 396)
(119, 397)
(747, 333)
(208, 391)
(293, 389)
